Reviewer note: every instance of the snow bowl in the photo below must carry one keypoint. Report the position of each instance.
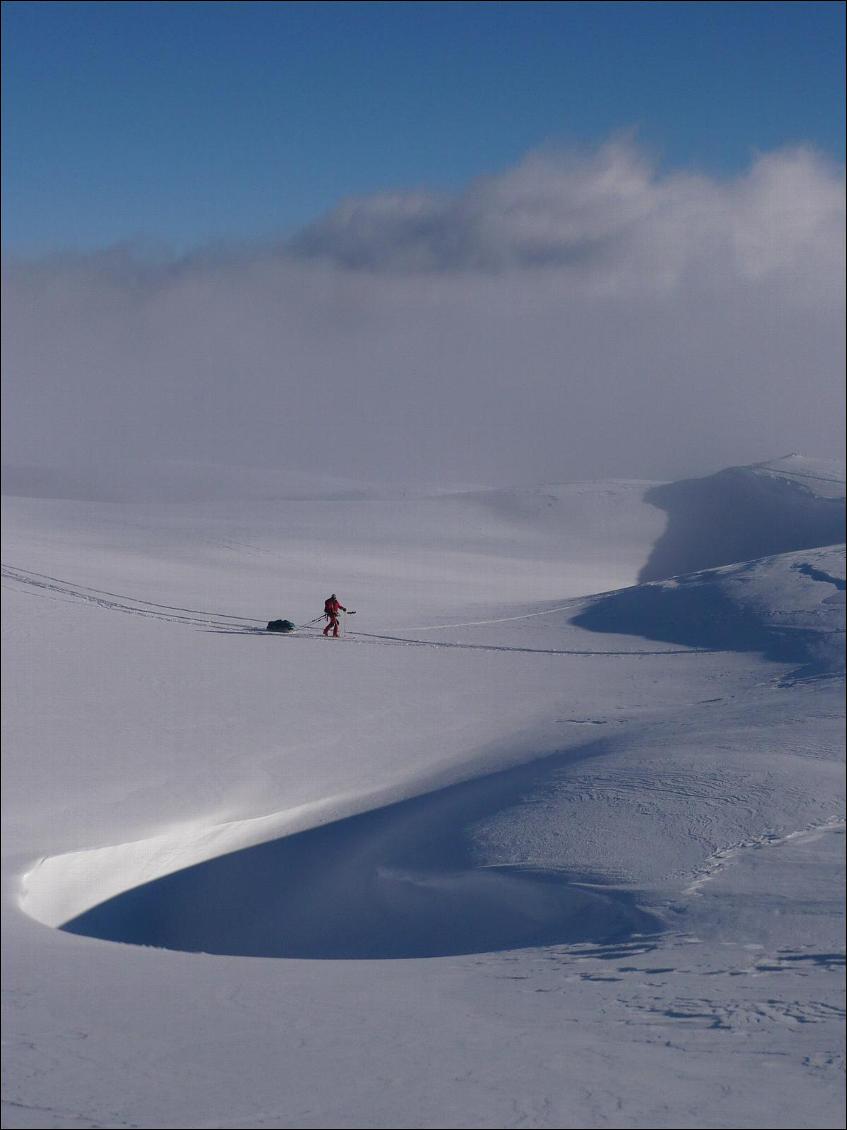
(398, 881)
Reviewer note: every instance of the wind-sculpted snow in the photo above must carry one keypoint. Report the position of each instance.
(400, 881)
(746, 512)
(789, 607)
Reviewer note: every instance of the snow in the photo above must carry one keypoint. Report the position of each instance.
(542, 841)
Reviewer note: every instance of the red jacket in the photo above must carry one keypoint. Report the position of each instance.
(333, 607)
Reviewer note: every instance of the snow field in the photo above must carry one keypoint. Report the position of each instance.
(608, 853)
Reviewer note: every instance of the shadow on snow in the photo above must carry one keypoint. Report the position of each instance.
(397, 882)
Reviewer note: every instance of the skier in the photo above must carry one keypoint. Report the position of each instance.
(332, 607)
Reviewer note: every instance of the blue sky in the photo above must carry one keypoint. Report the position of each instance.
(184, 123)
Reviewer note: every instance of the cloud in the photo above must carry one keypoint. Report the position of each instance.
(604, 220)
(578, 315)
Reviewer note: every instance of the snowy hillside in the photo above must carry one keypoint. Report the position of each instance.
(790, 607)
(553, 836)
(746, 512)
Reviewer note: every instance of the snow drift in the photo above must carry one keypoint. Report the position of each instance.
(789, 607)
(396, 881)
(746, 512)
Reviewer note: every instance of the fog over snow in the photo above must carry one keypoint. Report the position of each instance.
(583, 314)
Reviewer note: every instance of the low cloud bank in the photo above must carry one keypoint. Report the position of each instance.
(579, 315)
(605, 220)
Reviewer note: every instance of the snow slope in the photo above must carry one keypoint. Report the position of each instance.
(745, 512)
(533, 844)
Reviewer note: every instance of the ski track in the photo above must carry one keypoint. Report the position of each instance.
(43, 580)
(59, 588)
(718, 860)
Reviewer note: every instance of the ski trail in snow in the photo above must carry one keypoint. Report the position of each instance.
(26, 576)
(215, 621)
(525, 650)
(500, 619)
(718, 860)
